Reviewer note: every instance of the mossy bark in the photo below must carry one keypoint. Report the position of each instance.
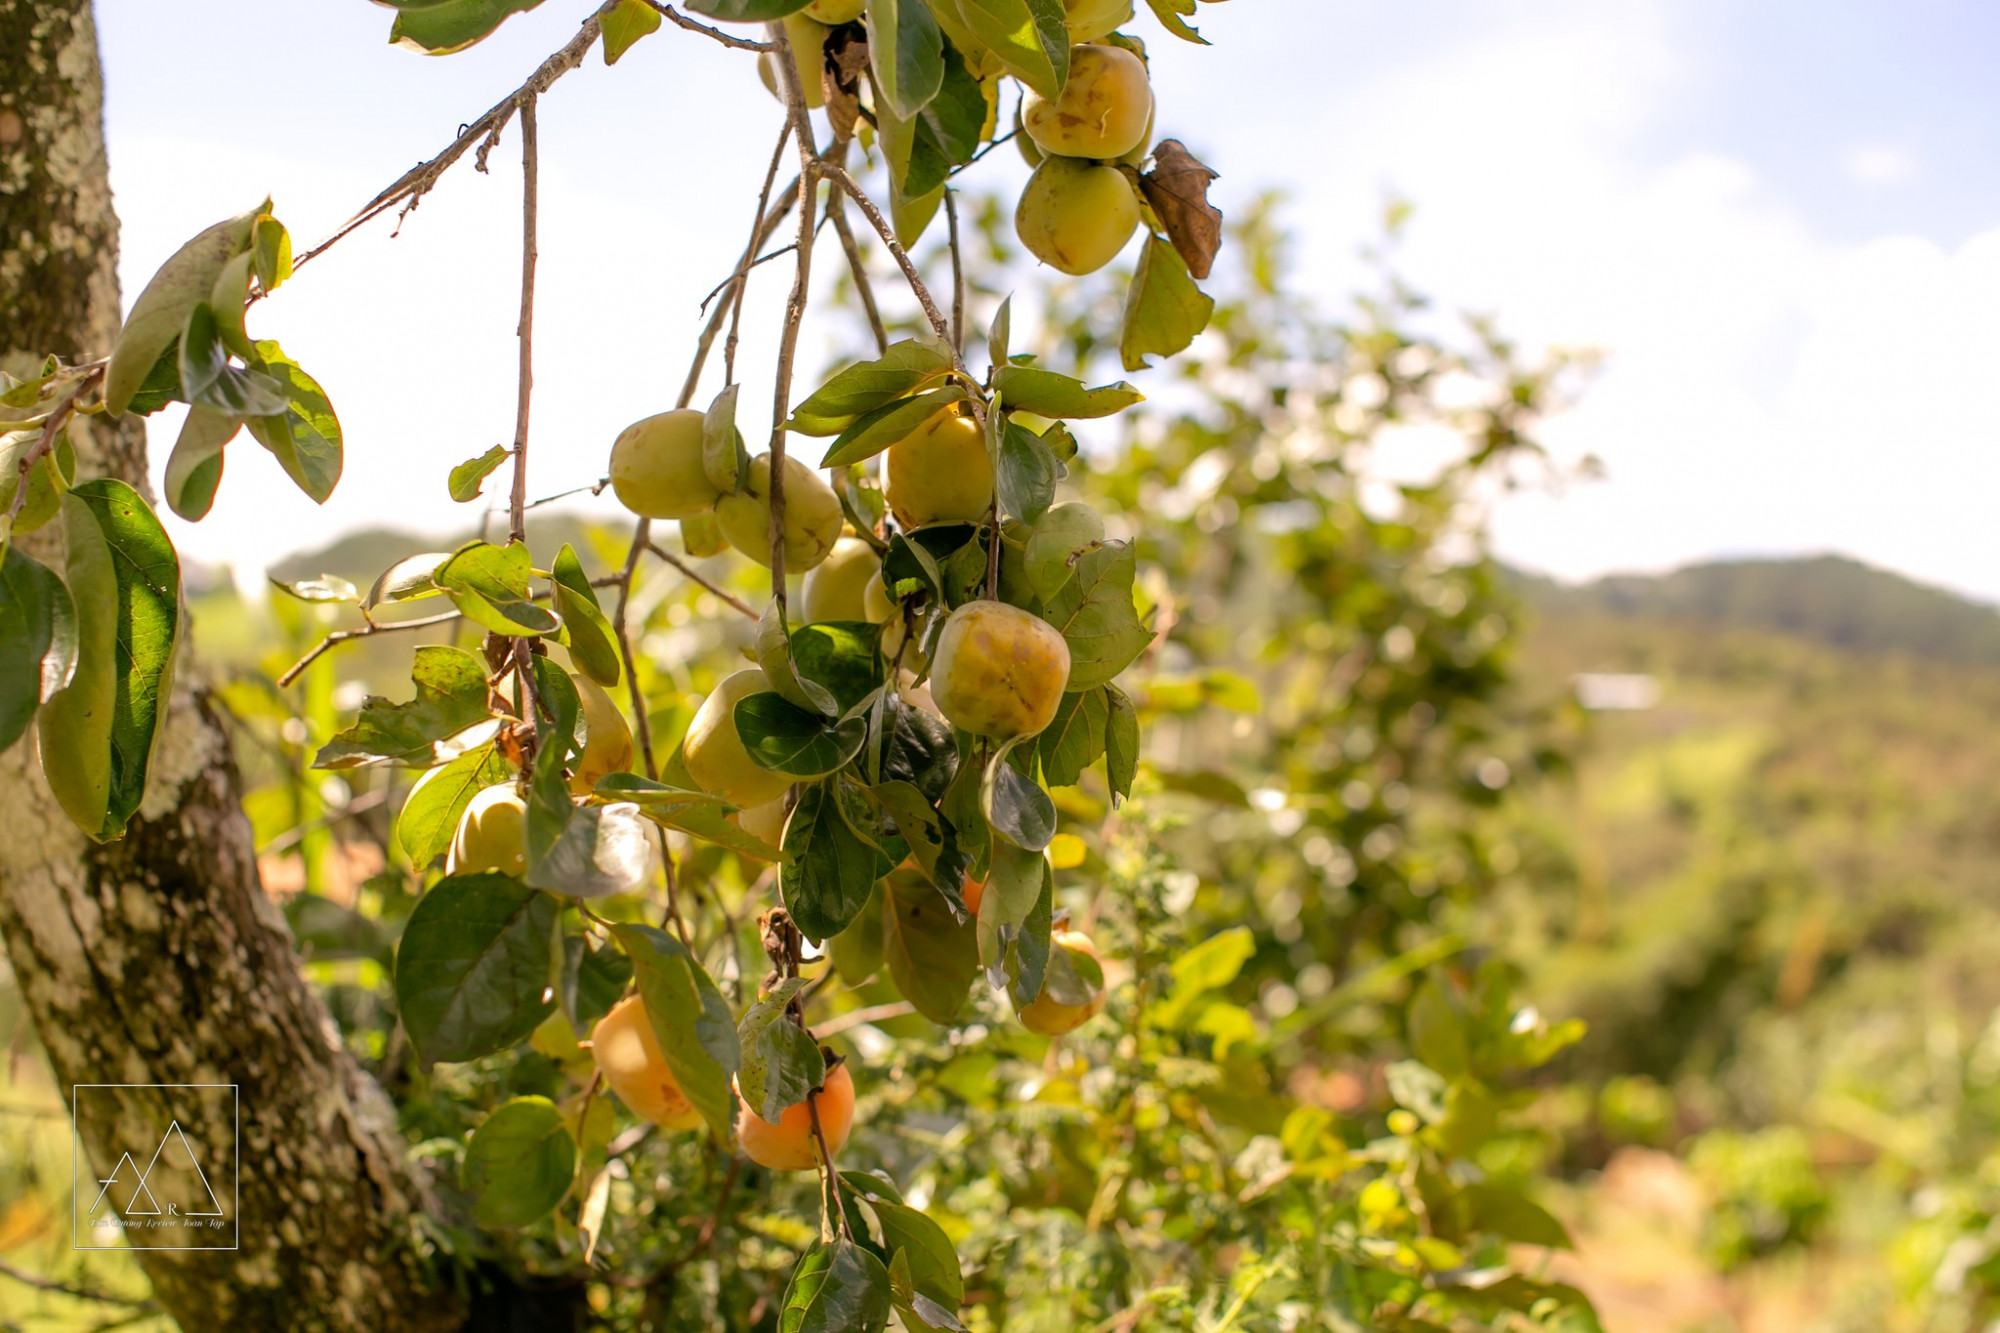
(158, 958)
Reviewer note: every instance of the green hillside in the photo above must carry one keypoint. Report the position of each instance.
(1823, 599)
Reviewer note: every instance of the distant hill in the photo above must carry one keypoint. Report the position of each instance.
(1825, 599)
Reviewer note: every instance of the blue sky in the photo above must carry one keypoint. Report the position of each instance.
(1779, 221)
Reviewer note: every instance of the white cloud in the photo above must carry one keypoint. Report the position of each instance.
(1880, 164)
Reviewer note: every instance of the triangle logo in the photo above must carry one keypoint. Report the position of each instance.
(182, 1160)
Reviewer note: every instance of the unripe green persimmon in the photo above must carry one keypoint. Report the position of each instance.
(765, 821)
(999, 671)
(629, 1056)
(838, 588)
(607, 741)
(1076, 216)
(1141, 150)
(1031, 152)
(714, 751)
(835, 11)
(656, 467)
(940, 473)
(1089, 20)
(492, 834)
(812, 515)
(1102, 110)
(1043, 1014)
(876, 603)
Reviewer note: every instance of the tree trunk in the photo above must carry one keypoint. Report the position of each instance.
(158, 959)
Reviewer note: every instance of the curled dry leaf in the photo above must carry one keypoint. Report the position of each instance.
(846, 57)
(1177, 188)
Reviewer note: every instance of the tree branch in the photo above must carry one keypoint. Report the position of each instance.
(46, 443)
(839, 176)
(739, 282)
(641, 539)
(957, 275)
(679, 19)
(368, 631)
(695, 576)
(524, 331)
(419, 180)
(836, 209)
(795, 304)
(78, 1293)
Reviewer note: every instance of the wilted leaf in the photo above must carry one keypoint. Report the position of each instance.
(468, 477)
(1164, 310)
(1177, 188)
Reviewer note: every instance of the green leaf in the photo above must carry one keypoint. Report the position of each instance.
(473, 966)
(838, 1287)
(602, 850)
(797, 742)
(876, 430)
(325, 931)
(593, 979)
(451, 695)
(430, 814)
(154, 327)
(933, 957)
(1048, 394)
(651, 795)
(904, 32)
(945, 134)
(691, 1021)
(774, 655)
(724, 460)
(1026, 477)
(209, 380)
(585, 630)
(625, 23)
(1063, 536)
(98, 733)
(1121, 743)
(270, 253)
(468, 477)
(1094, 611)
(840, 657)
(917, 824)
(489, 584)
(1164, 310)
(710, 823)
(162, 384)
(1169, 14)
(747, 11)
(1075, 739)
(1023, 947)
(1504, 1211)
(1014, 882)
(45, 480)
(781, 1061)
(323, 588)
(867, 385)
(558, 712)
(1015, 805)
(194, 469)
(1208, 966)
(1029, 37)
(408, 580)
(1437, 1031)
(919, 749)
(1002, 328)
(452, 25)
(519, 1163)
(928, 1251)
(38, 641)
(832, 866)
(304, 434)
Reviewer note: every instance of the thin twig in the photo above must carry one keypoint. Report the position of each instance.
(795, 304)
(292, 837)
(836, 209)
(838, 175)
(765, 230)
(854, 1018)
(524, 331)
(957, 275)
(419, 180)
(730, 281)
(46, 442)
(79, 1293)
(368, 631)
(826, 1159)
(641, 539)
(734, 43)
(695, 576)
(739, 282)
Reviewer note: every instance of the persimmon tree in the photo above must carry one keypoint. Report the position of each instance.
(925, 722)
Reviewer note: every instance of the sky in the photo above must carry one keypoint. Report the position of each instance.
(1778, 223)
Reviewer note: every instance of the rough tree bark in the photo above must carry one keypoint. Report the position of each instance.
(158, 959)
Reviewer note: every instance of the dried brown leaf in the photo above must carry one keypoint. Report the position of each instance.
(846, 56)
(1177, 188)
